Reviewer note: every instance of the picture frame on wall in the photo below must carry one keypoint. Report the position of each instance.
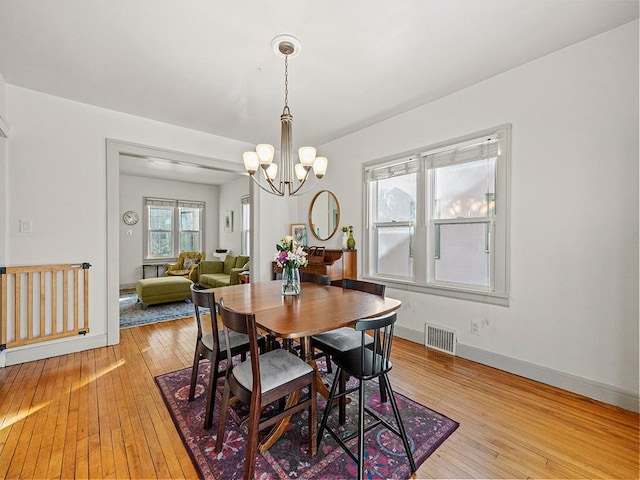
(299, 233)
(228, 221)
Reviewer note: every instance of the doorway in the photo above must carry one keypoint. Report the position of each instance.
(117, 152)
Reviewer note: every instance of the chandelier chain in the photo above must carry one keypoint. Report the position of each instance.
(286, 81)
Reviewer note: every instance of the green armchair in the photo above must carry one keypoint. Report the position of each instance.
(186, 266)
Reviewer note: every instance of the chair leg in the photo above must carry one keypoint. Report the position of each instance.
(383, 390)
(396, 413)
(194, 374)
(313, 423)
(327, 359)
(361, 401)
(222, 419)
(342, 402)
(211, 392)
(327, 409)
(252, 441)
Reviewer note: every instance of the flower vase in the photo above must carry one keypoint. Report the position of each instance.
(290, 281)
(345, 237)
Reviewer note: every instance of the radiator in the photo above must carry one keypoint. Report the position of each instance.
(42, 303)
(440, 338)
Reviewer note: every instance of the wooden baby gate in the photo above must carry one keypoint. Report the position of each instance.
(42, 303)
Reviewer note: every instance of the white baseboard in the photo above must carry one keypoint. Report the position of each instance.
(582, 386)
(409, 334)
(54, 348)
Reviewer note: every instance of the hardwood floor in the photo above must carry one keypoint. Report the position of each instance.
(99, 414)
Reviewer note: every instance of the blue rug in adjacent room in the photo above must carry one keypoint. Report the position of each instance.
(132, 314)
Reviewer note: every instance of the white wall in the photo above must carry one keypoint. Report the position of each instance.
(230, 195)
(574, 224)
(133, 189)
(3, 169)
(57, 178)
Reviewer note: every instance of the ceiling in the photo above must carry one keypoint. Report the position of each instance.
(177, 171)
(210, 66)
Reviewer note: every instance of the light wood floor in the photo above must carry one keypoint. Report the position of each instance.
(99, 414)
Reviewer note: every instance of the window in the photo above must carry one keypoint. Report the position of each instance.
(436, 220)
(173, 226)
(245, 232)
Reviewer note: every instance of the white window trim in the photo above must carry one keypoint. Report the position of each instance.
(499, 291)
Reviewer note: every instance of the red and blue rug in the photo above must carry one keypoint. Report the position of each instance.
(289, 457)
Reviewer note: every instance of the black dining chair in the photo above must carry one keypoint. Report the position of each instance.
(210, 346)
(367, 362)
(260, 381)
(346, 338)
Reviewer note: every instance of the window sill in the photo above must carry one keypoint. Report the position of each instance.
(491, 298)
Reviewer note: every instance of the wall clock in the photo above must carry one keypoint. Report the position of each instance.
(130, 217)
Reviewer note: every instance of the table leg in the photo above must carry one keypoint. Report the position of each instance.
(279, 428)
(307, 355)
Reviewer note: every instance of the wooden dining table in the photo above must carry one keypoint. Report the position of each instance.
(317, 309)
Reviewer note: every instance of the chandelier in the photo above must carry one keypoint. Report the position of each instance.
(262, 158)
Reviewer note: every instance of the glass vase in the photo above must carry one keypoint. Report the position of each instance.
(290, 281)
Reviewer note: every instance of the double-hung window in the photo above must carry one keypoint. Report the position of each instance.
(173, 226)
(436, 220)
(245, 231)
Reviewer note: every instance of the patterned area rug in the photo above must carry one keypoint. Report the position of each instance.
(132, 314)
(289, 457)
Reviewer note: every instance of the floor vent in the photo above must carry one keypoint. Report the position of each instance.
(440, 338)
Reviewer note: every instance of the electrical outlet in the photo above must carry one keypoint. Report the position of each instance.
(26, 226)
(475, 327)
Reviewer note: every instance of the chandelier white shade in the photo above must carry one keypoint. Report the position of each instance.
(283, 177)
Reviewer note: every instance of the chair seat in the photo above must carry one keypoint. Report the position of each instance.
(236, 339)
(351, 361)
(178, 272)
(277, 367)
(339, 340)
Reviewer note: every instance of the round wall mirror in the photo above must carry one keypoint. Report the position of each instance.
(324, 215)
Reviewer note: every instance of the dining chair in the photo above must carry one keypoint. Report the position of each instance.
(261, 380)
(315, 278)
(367, 362)
(345, 338)
(210, 346)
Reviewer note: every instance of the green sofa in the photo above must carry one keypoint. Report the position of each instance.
(216, 273)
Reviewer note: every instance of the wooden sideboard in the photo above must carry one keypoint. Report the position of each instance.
(336, 264)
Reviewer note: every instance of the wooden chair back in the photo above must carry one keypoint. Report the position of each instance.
(203, 299)
(364, 286)
(315, 278)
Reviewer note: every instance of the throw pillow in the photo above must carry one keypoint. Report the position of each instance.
(189, 262)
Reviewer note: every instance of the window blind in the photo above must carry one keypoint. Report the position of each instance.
(160, 202)
(411, 165)
(468, 153)
(187, 204)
